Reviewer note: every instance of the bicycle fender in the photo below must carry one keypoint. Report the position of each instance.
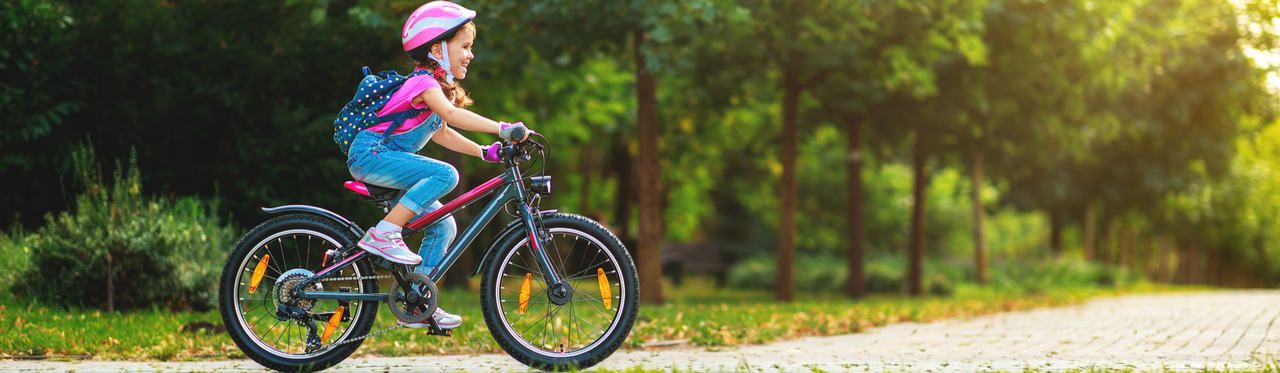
(316, 211)
(511, 228)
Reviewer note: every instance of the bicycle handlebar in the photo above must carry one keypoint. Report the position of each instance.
(517, 152)
(513, 132)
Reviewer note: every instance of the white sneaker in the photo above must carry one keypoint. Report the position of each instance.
(443, 319)
(389, 245)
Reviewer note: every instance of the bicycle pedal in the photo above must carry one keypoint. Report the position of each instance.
(440, 332)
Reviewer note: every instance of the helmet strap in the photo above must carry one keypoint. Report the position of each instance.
(443, 62)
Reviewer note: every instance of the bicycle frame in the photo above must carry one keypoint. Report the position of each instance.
(509, 187)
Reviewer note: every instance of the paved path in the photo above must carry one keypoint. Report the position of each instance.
(1235, 330)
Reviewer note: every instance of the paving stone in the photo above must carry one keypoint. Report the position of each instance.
(1183, 331)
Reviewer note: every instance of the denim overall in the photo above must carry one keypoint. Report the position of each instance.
(394, 163)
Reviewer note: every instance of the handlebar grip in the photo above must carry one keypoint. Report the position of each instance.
(514, 132)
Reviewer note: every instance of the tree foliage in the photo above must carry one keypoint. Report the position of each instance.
(1156, 114)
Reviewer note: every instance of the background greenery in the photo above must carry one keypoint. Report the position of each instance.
(826, 145)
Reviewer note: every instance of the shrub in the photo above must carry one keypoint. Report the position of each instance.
(119, 249)
(15, 255)
(886, 275)
(812, 273)
(754, 273)
(940, 285)
(1036, 276)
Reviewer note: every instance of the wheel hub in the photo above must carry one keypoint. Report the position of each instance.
(287, 295)
(560, 293)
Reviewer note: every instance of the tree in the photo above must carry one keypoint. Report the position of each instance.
(572, 28)
(887, 51)
(950, 33)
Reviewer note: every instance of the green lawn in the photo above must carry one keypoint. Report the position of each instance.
(696, 313)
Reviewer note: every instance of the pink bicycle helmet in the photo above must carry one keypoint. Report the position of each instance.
(431, 23)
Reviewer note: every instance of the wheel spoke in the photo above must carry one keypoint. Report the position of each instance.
(556, 248)
(600, 307)
(589, 268)
(555, 330)
(289, 337)
(535, 322)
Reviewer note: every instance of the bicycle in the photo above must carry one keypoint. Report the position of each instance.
(559, 291)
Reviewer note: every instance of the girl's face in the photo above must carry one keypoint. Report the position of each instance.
(459, 51)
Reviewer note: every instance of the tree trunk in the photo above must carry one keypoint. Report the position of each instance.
(650, 239)
(915, 270)
(1108, 250)
(1130, 258)
(979, 239)
(585, 170)
(621, 166)
(856, 286)
(787, 189)
(111, 286)
(1055, 233)
(1193, 264)
(1186, 262)
(1162, 260)
(1090, 230)
(1217, 269)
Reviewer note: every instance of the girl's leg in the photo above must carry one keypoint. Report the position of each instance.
(435, 241)
(399, 215)
(424, 181)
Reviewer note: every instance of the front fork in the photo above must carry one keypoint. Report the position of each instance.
(558, 290)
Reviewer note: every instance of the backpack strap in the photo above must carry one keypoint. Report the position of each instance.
(398, 118)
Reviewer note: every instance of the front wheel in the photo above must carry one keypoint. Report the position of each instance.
(573, 333)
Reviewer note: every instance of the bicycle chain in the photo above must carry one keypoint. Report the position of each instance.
(368, 335)
(361, 338)
(355, 278)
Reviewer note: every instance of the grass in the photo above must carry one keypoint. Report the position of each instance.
(696, 314)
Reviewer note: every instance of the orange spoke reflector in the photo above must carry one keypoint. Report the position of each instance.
(258, 272)
(325, 262)
(606, 293)
(524, 292)
(333, 324)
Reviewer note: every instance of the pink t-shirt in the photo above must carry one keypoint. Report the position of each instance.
(402, 100)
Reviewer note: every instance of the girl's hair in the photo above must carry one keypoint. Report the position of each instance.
(454, 92)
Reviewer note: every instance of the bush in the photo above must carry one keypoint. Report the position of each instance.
(15, 255)
(119, 249)
(886, 275)
(812, 273)
(1034, 277)
(941, 286)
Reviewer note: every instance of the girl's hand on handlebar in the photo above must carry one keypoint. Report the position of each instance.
(513, 132)
(490, 153)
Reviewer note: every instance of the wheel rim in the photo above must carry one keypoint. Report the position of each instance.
(255, 312)
(581, 324)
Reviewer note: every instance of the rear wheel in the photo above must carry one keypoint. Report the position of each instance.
(584, 329)
(279, 253)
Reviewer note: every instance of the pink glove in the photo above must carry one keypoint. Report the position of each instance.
(490, 153)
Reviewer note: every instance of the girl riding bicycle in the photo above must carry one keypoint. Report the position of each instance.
(438, 36)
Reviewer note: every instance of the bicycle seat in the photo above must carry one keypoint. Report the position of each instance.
(367, 190)
(380, 196)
